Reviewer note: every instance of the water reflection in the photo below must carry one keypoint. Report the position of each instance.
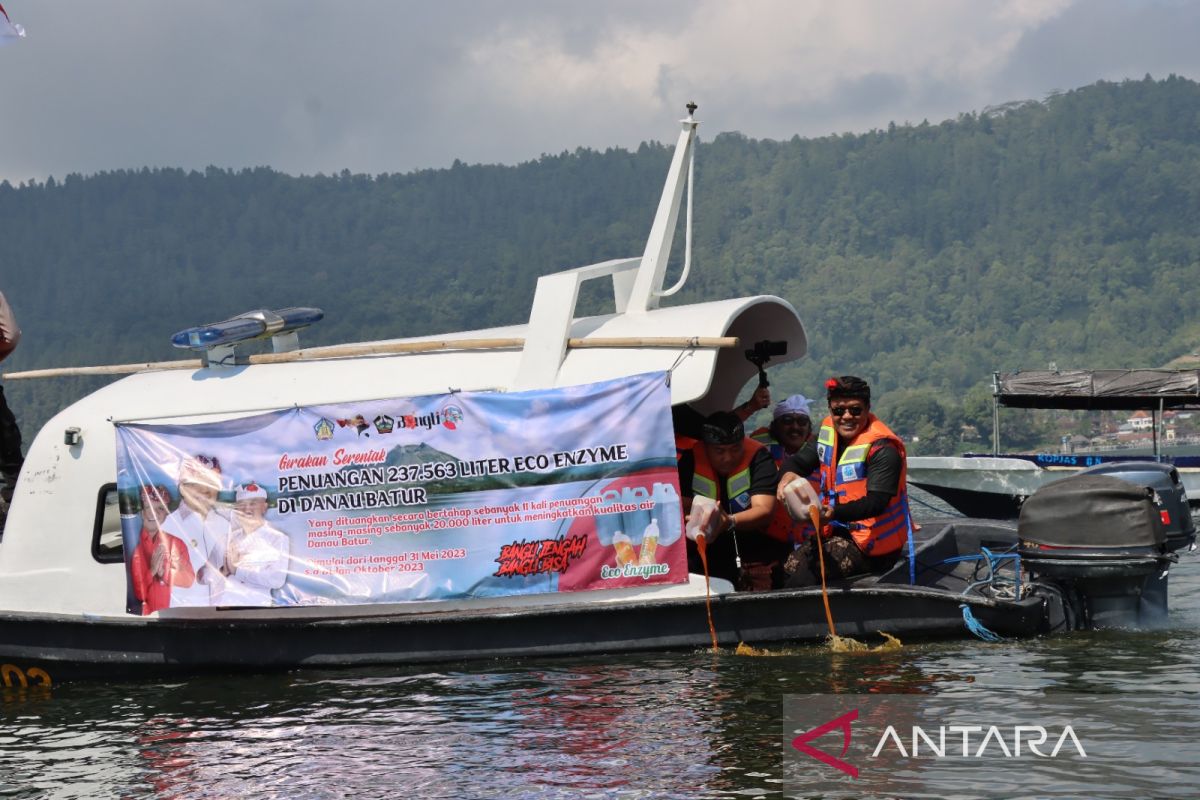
(670, 725)
(664, 725)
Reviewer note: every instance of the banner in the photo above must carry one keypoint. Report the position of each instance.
(470, 494)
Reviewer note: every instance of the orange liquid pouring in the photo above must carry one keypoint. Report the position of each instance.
(702, 547)
(815, 514)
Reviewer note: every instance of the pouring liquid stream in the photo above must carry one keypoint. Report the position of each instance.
(702, 548)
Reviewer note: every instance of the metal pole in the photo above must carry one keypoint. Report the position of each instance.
(1157, 422)
(995, 413)
(390, 348)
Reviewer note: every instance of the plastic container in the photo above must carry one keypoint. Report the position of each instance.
(649, 544)
(635, 521)
(668, 513)
(609, 523)
(800, 497)
(703, 518)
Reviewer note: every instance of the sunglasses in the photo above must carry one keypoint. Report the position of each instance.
(794, 419)
(155, 494)
(840, 411)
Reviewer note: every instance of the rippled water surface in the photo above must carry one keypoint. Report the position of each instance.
(663, 725)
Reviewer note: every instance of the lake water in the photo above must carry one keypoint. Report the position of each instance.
(672, 725)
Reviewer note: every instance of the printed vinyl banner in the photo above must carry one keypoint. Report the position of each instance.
(424, 498)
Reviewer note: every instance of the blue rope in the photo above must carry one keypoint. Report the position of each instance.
(993, 561)
(912, 549)
(976, 627)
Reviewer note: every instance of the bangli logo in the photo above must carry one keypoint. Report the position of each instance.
(426, 421)
(451, 416)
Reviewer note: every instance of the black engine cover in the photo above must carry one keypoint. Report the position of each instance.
(1100, 513)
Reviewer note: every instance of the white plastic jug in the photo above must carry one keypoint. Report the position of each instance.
(667, 513)
(800, 497)
(635, 521)
(608, 523)
(703, 518)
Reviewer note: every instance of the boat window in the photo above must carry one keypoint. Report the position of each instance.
(107, 546)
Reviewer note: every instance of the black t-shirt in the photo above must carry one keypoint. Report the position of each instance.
(883, 478)
(687, 421)
(754, 546)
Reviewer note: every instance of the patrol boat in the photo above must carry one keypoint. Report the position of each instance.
(63, 575)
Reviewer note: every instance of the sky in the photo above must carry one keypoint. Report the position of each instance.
(384, 86)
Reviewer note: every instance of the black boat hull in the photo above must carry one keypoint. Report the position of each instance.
(39, 649)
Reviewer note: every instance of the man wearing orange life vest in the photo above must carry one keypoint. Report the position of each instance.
(790, 430)
(740, 475)
(864, 515)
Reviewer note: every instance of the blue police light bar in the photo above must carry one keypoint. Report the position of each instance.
(251, 325)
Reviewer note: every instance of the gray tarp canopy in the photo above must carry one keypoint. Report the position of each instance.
(1103, 388)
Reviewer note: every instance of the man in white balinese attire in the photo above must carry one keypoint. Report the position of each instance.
(256, 558)
(202, 527)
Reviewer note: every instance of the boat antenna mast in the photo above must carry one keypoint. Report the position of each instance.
(647, 286)
(995, 413)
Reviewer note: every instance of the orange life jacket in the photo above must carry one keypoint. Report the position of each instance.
(782, 526)
(683, 444)
(737, 483)
(846, 482)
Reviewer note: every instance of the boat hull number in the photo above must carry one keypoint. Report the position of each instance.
(12, 675)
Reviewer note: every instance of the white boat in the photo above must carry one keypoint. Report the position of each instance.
(63, 586)
(996, 485)
(981, 485)
(63, 580)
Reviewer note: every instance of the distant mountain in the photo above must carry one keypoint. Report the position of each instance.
(920, 256)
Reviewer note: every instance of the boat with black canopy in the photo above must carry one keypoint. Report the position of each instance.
(995, 484)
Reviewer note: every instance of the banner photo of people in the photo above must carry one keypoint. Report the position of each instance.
(468, 494)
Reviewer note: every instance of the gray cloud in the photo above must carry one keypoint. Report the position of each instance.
(376, 86)
(1105, 40)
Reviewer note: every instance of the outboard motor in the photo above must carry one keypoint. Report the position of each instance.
(1100, 540)
(1169, 495)
(1171, 498)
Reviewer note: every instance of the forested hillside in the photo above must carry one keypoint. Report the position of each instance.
(921, 256)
